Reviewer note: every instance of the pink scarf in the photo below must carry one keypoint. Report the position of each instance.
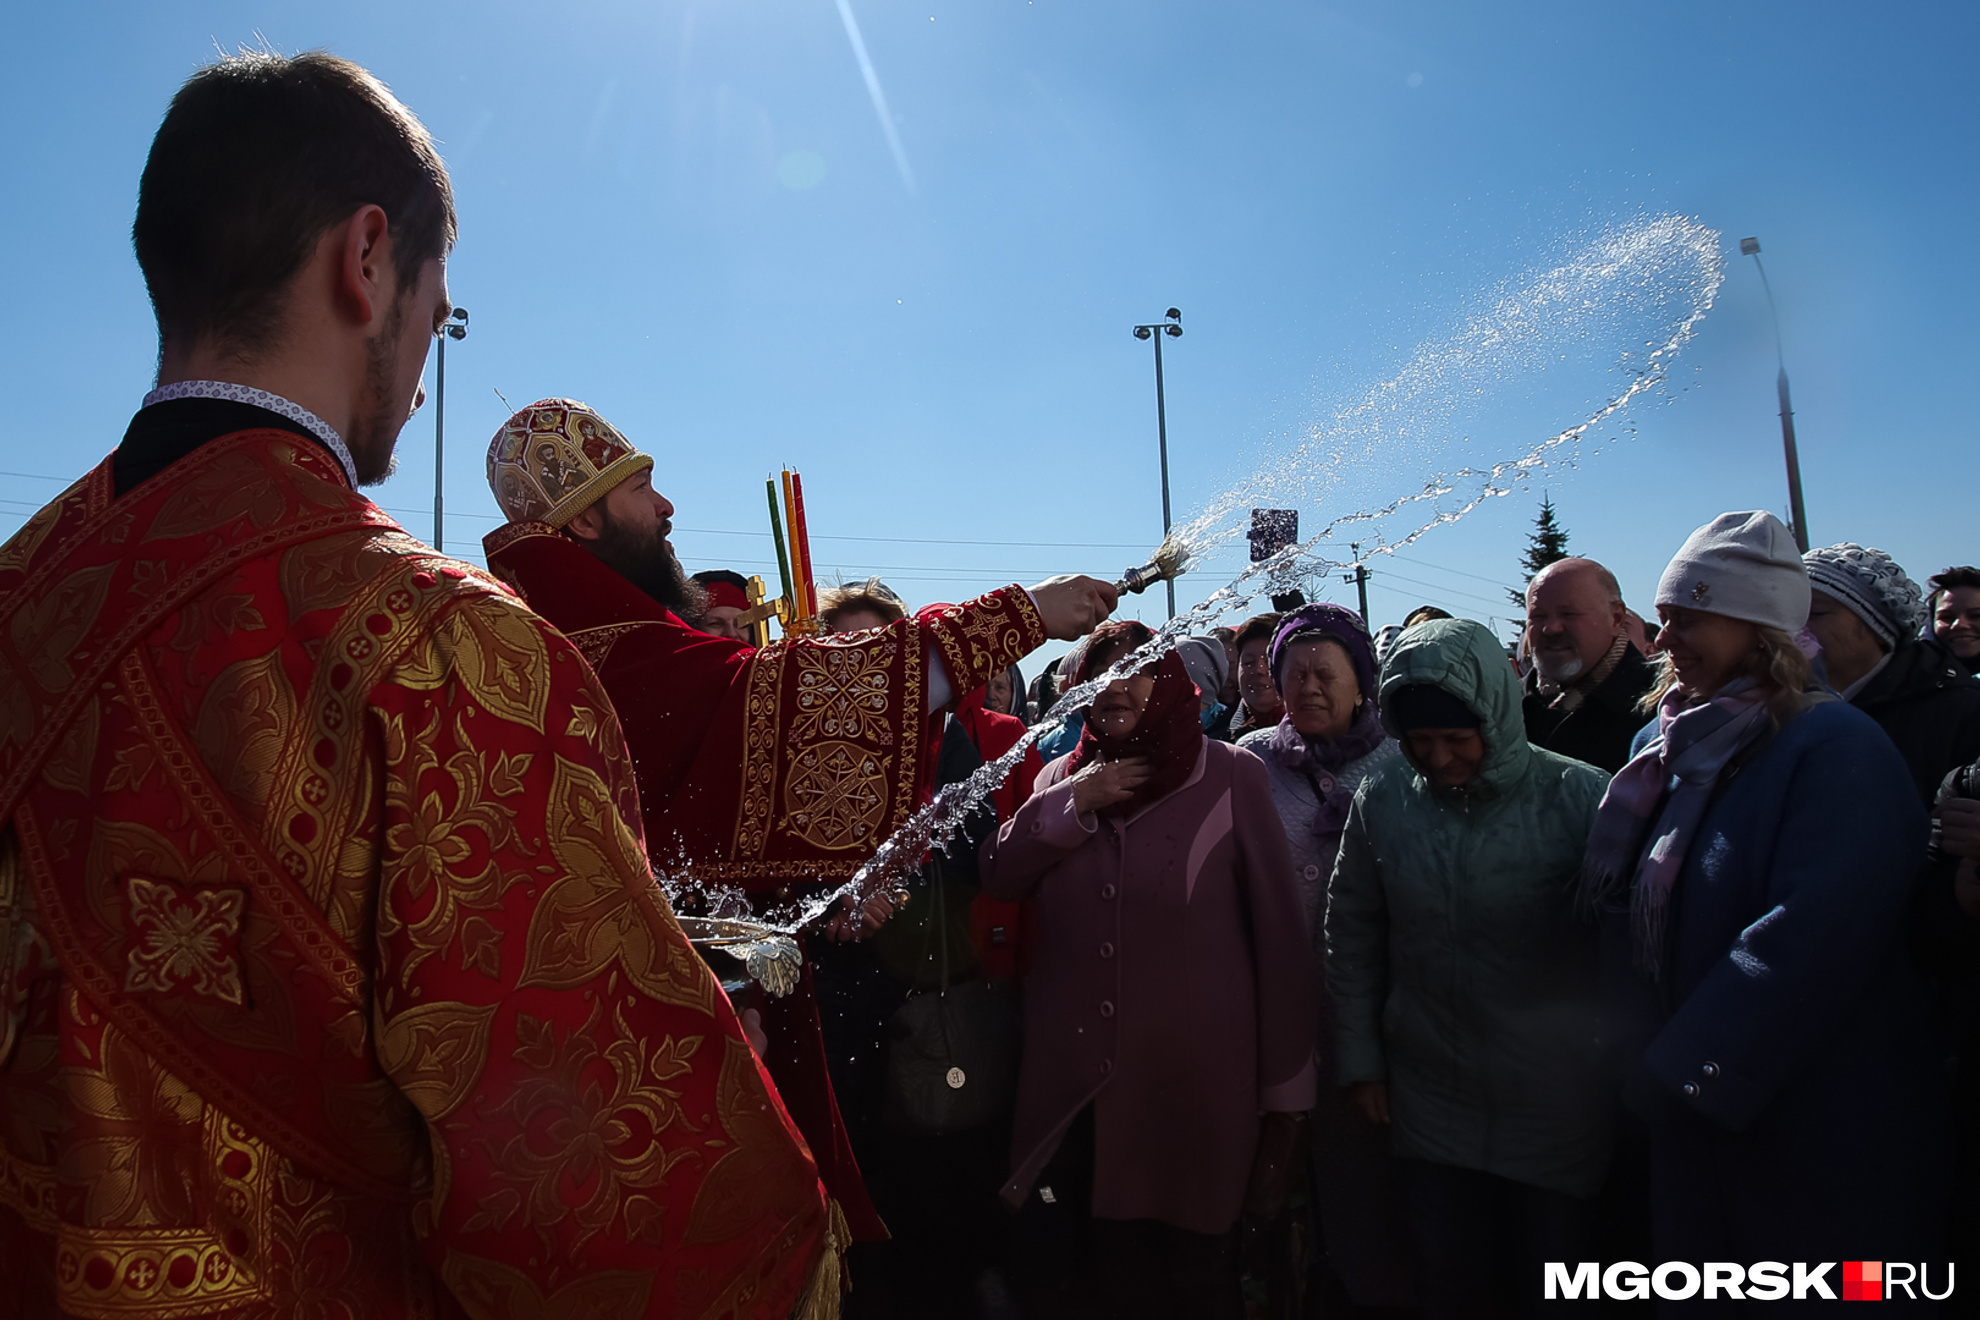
(1654, 804)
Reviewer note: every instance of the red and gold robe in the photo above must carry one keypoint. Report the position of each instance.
(769, 768)
(333, 978)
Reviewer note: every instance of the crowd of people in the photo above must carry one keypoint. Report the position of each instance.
(1587, 921)
(1309, 970)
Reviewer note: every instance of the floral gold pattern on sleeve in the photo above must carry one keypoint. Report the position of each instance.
(594, 1130)
(589, 920)
(987, 635)
(282, 796)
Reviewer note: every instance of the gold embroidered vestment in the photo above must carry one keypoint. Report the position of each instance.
(333, 980)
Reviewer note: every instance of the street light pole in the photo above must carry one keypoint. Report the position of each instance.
(1173, 328)
(1750, 247)
(455, 327)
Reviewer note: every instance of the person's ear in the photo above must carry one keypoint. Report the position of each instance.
(365, 281)
(587, 524)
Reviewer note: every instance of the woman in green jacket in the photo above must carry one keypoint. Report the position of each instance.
(1464, 983)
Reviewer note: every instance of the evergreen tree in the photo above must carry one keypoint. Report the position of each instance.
(1546, 544)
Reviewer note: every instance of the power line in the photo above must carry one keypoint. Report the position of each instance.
(731, 531)
(919, 540)
(1424, 563)
(888, 540)
(1437, 586)
(885, 540)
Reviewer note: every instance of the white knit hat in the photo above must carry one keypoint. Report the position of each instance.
(1744, 566)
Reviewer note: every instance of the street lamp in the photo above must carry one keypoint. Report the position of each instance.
(1750, 247)
(455, 327)
(1173, 328)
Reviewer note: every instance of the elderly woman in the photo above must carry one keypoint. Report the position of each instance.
(1753, 864)
(1003, 694)
(1329, 740)
(1169, 1013)
(1463, 983)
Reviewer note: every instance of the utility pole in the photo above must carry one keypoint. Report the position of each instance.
(1173, 328)
(1360, 580)
(455, 327)
(1797, 512)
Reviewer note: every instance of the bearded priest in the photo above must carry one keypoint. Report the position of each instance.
(333, 976)
(779, 770)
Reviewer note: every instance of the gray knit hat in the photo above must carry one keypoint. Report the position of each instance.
(1872, 585)
(1744, 566)
(1207, 662)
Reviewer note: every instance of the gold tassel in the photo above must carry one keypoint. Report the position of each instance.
(828, 1282)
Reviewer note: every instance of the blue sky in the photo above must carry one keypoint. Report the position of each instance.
(689, 216)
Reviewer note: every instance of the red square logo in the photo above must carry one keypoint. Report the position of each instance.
(1863, 1281)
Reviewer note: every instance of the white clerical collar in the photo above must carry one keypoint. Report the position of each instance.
(275, 403)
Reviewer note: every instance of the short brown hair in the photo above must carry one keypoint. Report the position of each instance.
(1258, 628)
(257, 157)
(871, 597)
(1429, 613)
(1963, 575)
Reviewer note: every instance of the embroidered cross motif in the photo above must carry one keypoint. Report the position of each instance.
(837, 795)
(841, 694)
(1700, 591)
(185, 939)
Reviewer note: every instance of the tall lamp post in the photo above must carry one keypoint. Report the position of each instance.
(455, 327)
(1173, 328)
(1750, 247)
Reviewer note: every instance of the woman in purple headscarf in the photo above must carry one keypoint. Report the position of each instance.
(1328, 741)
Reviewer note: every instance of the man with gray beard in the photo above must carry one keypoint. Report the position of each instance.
(1581, 698)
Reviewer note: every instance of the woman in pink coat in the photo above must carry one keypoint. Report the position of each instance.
(1169, 1014)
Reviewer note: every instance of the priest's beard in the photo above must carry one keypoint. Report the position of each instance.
(644, 559)
(375, 429)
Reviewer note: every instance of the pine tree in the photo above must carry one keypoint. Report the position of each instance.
(1546, 544)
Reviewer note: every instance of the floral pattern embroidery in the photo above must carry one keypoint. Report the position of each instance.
(187, 941)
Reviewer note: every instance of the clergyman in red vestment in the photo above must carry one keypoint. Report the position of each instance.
(334, 981)
(775, 771)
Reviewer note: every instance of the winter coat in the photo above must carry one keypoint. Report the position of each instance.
(1929, 704)
(1353, 1175)
(1061, 741)
(1173, 989)
(1219, 726)
(1784, 1058)
(1244, 720)
(1295, 801)
(1459, 970)
(1601, 729)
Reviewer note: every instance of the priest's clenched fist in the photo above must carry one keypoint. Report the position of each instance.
(1073, 605)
